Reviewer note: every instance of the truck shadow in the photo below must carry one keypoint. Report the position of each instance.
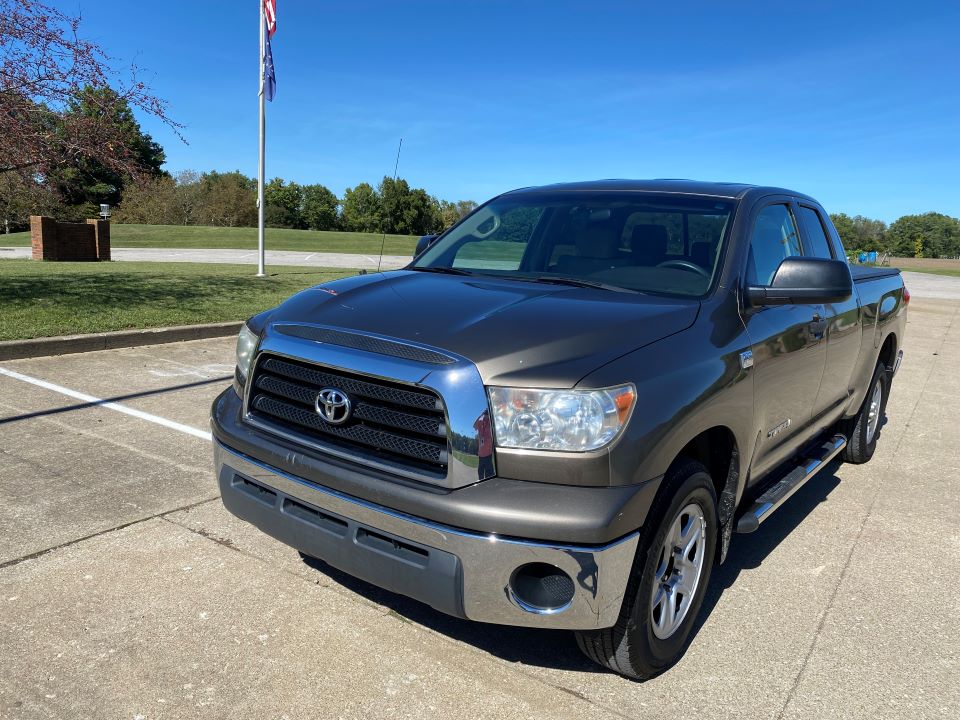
(748, 552)
(557, 649)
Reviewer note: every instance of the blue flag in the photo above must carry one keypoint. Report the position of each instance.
(269, 78)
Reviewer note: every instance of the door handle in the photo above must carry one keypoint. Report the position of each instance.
(818, 326)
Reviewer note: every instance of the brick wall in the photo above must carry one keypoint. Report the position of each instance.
(69, 241)
(101, 236)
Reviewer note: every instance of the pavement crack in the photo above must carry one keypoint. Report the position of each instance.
(99, 533)
(222, 541)
(350, 596)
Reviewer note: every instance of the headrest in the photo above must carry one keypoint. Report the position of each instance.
(649, 243)
(700, 253)
(598, 240)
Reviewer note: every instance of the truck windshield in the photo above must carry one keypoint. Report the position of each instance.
(635, 241)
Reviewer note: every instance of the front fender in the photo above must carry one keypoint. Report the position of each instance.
(686, 384)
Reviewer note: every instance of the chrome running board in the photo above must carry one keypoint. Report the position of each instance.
(778, 493)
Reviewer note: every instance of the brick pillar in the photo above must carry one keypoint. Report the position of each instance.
(43, 237)
(101, 235)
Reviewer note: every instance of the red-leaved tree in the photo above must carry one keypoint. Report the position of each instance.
(45, 68)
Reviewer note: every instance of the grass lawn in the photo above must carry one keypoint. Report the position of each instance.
(215, 238)
(40, 299)
(934, 271)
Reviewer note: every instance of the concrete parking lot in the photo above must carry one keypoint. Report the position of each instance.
(127, 591)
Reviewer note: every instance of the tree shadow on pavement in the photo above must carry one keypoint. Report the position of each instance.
(556, 648)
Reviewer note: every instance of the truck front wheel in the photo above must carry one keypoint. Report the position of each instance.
(668, 581)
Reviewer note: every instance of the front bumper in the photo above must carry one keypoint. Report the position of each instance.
(459, 572)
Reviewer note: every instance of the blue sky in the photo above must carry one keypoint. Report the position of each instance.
(856, 105)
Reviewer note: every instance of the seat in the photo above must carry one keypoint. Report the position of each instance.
(649, 244)
(598, 248)
(701, 253)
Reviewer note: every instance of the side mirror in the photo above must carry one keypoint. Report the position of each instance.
(423, 243)
(805, 280)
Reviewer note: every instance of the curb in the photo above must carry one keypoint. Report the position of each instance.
(67, 344)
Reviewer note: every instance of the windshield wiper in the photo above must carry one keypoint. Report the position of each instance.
(444, 270)
(578, 282)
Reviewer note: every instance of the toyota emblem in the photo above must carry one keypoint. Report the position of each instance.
(333, 406)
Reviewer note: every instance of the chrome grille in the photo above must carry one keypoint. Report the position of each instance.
(401, 424)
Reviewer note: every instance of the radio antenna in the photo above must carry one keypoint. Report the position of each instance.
(383, 239)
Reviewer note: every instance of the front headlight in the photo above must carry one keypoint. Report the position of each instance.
(566, 420)
(246, 346)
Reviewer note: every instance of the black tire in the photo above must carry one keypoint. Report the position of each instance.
(860, 444)
(631, 647)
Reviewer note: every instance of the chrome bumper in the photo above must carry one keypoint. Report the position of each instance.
(486, 562)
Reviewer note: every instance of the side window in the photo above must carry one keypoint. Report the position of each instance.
(774, 238)
(815, 238)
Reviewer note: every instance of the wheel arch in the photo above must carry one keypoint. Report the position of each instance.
(717, 449)
(888, 350)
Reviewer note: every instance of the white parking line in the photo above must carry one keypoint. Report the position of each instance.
(109, 405)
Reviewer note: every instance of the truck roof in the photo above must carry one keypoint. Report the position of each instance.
(683, 187)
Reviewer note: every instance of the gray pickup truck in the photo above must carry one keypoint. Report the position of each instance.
(560, 411)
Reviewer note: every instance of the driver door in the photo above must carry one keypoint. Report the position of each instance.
(787, 341)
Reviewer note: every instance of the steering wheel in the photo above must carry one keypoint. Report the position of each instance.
(685, 265)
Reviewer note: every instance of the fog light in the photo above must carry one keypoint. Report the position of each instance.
(541, 588)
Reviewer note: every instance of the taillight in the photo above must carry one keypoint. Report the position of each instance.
(906, 295)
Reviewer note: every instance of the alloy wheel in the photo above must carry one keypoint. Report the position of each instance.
(679, 569)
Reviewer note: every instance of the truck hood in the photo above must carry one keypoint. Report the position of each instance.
(517, 333)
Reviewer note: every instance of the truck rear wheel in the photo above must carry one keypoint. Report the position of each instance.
(863, 429)
(668, 582)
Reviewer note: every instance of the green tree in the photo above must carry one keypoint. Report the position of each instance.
(846, 230)
(320, 208)
(421, 213)
(50, 118)
(85, 181)
(162, 200)
(408, 211)
(930, 235)
(284, 203)
(20, 198)
(361, 209)
(186, 198)
(147, 202)
(448, 213)
(861, 233)
(227, 200)
(453, 212)
(394, 202)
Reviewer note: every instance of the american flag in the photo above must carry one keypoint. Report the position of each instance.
(269, 77)
(270, 13)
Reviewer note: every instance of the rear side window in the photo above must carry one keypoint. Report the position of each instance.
(774, 238)
(815, 239)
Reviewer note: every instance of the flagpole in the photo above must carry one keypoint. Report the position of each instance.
(263, 134)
